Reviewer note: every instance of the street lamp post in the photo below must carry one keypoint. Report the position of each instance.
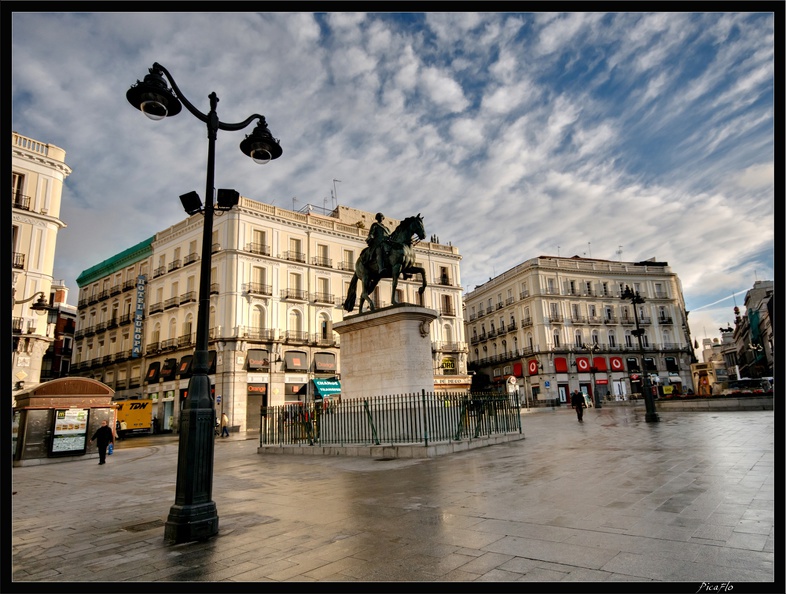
(193, 515)
(651, 415)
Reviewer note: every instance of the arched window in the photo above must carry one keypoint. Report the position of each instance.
(447, 333)
(612, 339)
(578, 340)
(173, 328)
(187, 325)
(258, 317)
(295, 320)
(556, 340)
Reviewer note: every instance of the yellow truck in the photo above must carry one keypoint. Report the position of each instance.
(138, 415)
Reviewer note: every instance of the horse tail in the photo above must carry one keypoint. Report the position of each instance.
(349, 302)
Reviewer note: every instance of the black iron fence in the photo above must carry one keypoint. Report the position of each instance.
(425, 418)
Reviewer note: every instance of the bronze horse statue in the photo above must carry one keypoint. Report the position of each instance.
(400, 260)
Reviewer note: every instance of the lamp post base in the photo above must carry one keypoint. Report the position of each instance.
(187, 523)
(651, 418)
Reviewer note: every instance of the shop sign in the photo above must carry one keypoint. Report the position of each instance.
(139, 316)
(70, 432)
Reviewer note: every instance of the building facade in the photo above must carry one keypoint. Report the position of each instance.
(753, 333)
(57, 358)
(558, 324)
(38, 171)
(278, 282)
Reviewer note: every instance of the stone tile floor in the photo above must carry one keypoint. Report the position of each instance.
(689, 500)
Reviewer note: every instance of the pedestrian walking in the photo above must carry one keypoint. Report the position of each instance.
(103, 436)
(577, 402)
(117, 430)
(224, 425)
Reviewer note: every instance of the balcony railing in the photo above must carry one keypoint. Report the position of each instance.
(190, 258)
(258, 289)
(156, 307)
(186, 340)
(322, 297)
(151, 348)
(258, 248)
(129, 284)
(610, 320)
(295, 256)
(21, 201)
(447, 311)
(214, 288)
(297, 294)
(171, 302)
(445, 281)
(116, 289)
(594, 319)
(18, 260)
(349, 266)
(260, 334)
(293, 336)
(320, 261)
(126, 319)
(188, 297)
(168, 344)
(173, 265)
(160, 271)
(665, 320)
(556, 318)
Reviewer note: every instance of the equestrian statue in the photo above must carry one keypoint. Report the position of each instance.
(388, 255)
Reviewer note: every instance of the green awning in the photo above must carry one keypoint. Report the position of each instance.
(327, 387)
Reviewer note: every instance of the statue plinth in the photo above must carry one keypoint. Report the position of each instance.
(386, 352)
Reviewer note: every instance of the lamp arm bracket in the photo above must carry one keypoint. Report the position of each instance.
(201, 116)
(241, 125)
(20, 301)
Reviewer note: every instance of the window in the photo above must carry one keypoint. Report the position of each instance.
(556, 340)
(579, 342)
(576, 309)
(593, 311)
(572, 287)
(605, 289)
(612, 340)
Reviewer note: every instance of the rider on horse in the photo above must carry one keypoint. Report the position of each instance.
(378, 240)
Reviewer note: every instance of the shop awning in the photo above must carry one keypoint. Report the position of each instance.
(327, 387)
(599, 363)
(169, 369)
(324, 362)
(560, 365)
(152, 372)
(616, 364)
(184, 369)
(258, 359)
(296, 361)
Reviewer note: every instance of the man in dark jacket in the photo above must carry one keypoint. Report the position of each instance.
(103, 436)
(577, 402)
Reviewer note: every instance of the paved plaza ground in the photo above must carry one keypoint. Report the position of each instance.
(680, 505)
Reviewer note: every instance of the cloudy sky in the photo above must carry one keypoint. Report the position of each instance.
(615, 136)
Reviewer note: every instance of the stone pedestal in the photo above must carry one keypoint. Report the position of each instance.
(386, 352)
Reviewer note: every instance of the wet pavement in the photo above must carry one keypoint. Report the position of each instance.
(688, 500)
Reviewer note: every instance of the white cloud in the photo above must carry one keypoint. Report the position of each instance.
(513, 134)
(442, 89)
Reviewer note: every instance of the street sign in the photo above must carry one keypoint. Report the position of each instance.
(218, 399)
(547, 384)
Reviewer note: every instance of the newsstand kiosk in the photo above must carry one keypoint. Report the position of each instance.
(54, 421)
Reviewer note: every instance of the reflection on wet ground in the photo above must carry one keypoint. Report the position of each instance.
(612, 499)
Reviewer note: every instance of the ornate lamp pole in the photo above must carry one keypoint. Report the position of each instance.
(651, 415)
(193, 515)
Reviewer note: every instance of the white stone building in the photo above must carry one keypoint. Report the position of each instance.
(278, 283)
(559, 324)
(38, 171)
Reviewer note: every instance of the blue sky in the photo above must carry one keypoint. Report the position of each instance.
(514, 134)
